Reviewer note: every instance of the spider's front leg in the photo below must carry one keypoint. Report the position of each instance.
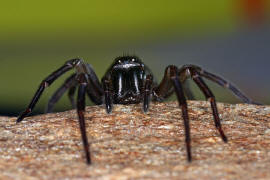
(171, 80)
(107, 95)
(147, 92)
(47, 82)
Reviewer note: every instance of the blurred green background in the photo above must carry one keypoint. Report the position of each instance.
(226, 37)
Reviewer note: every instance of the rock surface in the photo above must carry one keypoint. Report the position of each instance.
(129, 144)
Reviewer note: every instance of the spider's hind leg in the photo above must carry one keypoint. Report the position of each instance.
(70, 84)
(223, 83)
(211, 98)
(187, 89)
(71, 93)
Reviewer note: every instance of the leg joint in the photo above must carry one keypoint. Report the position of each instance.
(74, 62)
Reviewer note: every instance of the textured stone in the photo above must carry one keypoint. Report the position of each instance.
(130, 144)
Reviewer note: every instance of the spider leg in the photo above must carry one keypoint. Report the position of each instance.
(108, 100)
(187, 90)
(47, 82)
(71, 93)
(211, 98)
(165, 86)
(171, 80)
(229, 86)
(222, 82)
(70, 83)
(147, 91)
(94, 88)
(80, 110)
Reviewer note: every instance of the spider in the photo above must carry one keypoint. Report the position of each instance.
(130, 81)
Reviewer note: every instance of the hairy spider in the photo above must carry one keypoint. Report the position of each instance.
(130, 81)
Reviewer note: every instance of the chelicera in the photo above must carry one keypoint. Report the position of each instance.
(130, 81)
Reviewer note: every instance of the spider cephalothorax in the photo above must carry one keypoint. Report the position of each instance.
(130, 81)
(126, 77)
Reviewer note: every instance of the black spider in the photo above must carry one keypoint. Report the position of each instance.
(130, 81)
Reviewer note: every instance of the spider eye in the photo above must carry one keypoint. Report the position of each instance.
(119, 61)
(133, 60)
